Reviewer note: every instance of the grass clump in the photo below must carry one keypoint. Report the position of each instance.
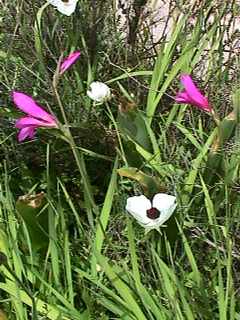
(68, 248)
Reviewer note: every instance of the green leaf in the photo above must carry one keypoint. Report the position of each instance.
(196, 165)
(163, 61)
(133, 157)
(146, 298)
(149, 184)
(122, 288)
(215, 162)
(105, 213)
(38, 32)
(127, 74)
(33, 210)
(49, 311)
(132, 124)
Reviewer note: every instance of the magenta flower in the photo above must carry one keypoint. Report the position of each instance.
(192, 95)
(67, 62)
(36, 116)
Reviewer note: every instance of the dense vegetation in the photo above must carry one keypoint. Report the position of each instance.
(69, 250)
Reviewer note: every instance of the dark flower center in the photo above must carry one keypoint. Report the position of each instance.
(153, 213)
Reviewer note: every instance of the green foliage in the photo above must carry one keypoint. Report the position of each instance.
(149, 184)
(34, 213)
(70, 249)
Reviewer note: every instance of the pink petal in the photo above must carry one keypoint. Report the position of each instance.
(25, 133)
(194, 94)
(30, 107)
(182, 97)
(32, 122)
(67, 62)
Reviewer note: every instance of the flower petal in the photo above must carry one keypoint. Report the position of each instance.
(137, 206)
(182, 97)
(27, 132)
(29, 106)
(67, 62)
(64, 7)
(166, 204)
(53, 2)
(194, 94)
(29, 122)
(99, 91)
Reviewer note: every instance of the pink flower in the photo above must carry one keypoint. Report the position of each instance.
(192, 95)
(67, 62)
(36, 116)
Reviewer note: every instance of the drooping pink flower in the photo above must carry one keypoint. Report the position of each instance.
(36, 116)
(192, 95)
(67, 62)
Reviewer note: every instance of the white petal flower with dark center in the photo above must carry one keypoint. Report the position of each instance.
(66, 7)
(151, 214)
(99, 92)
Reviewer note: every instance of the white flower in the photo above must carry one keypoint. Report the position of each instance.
(66, 7)
(151, 215)
(99, 91)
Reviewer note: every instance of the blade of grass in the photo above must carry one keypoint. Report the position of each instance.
(196, 274)
(104, 215)
(121, 307)
(146, 298)
(51, 312)
(189, 182)
(122, 288)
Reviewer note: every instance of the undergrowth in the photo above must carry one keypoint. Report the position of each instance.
(68, 248)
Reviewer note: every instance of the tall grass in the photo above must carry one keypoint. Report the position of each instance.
(72, 252)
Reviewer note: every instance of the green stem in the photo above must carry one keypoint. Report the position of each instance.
(215, 117)
(77, 155)
(117, 132)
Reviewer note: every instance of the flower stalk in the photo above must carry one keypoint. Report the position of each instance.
(76, 153)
